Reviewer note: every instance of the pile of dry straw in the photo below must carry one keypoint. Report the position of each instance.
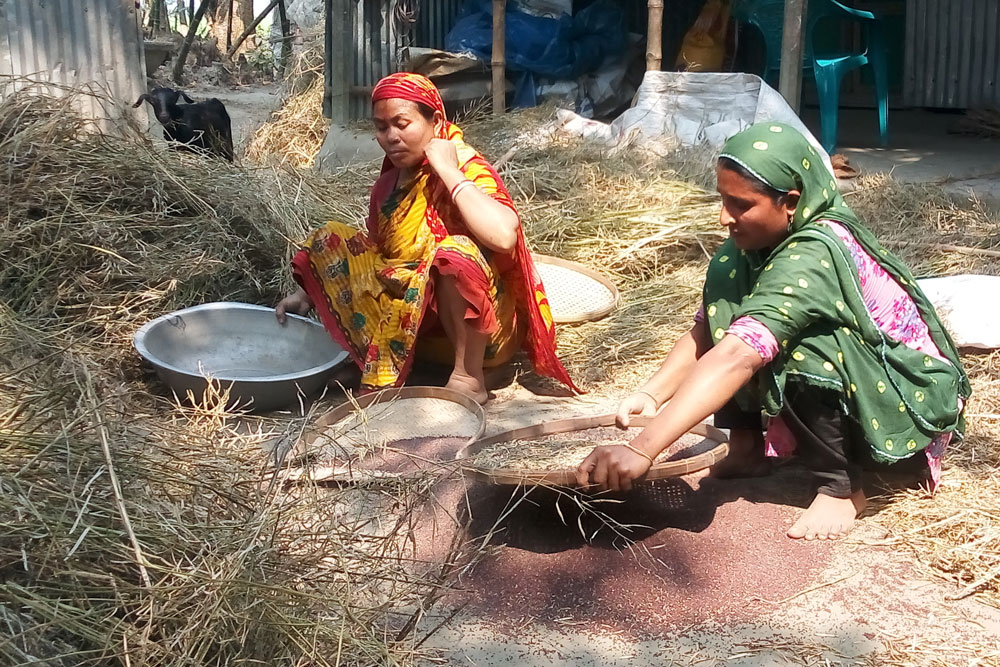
(295, 131)
(138, 532)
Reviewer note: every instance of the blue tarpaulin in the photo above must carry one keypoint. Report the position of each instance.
(555, 48)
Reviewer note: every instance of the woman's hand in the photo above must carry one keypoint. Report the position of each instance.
(441, 156)
(612, 468)
(637, 403)
(298, 303)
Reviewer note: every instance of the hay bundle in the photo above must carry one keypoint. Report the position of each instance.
(638, 221)
(296, 130)
(132, 531)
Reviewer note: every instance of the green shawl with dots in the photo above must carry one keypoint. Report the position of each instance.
(807, 293)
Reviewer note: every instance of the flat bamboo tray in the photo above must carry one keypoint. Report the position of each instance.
(708, 455)
(398, 397)
(576, 293)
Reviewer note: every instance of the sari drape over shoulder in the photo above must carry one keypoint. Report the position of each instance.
(374, 289)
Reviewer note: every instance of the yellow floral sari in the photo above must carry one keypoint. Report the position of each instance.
(373, 289)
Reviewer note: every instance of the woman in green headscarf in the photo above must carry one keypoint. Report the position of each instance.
(807, 320)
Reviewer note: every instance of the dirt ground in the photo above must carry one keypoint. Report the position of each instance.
(711, 579)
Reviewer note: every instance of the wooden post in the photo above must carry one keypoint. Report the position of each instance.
(229, 26)
(499, 63)
(654, 36)
(792, 44)
(286, 38)
(340, 58)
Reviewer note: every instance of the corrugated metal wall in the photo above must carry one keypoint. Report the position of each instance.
(378, 43)
(95, 44)
(434, 22)
(952, 53)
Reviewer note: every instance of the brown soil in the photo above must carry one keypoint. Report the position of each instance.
(714, 553)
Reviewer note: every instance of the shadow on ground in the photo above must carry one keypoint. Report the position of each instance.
(668, 554)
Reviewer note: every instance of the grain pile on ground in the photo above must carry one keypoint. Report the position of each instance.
(133, 531)
(565, 451)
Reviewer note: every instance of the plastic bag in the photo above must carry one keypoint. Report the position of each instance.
(961, 302)
(704, 45)
(691, 108)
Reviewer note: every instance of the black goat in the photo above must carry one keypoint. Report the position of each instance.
(197, 127)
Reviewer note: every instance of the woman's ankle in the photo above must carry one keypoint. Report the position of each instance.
(746, 456)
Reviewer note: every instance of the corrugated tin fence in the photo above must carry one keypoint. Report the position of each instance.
(365, 41)
(94, 44)
(952, 53)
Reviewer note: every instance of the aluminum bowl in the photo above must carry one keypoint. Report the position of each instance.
(265, 364)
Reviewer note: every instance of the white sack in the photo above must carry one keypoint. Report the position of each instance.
(966, 306)
(674, 109)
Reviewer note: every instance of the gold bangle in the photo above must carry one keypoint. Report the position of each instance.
(655, 399)
(640, 453)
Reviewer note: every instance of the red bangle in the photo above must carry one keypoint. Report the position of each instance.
(458, 186)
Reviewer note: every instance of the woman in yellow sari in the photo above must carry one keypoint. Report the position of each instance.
(443, 258)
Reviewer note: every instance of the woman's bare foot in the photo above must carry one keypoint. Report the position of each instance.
(746, 456)
(828, 518)
(474, 388)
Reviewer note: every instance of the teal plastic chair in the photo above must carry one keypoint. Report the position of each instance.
(828, 70)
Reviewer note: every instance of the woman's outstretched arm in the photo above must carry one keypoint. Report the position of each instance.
(713, 381)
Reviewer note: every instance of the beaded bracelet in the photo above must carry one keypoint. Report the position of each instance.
(461, 185)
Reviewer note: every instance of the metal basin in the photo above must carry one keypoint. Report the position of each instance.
(265, 364)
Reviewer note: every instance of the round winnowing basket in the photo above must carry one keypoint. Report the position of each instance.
(390, 417)
(575, 292)
(712, 448)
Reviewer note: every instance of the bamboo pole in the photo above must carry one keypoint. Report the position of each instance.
(178, 70)
(499, 62)
(229, 26)
(654, 36)
(792, 44)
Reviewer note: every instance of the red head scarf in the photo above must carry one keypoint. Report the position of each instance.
(413, 87)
